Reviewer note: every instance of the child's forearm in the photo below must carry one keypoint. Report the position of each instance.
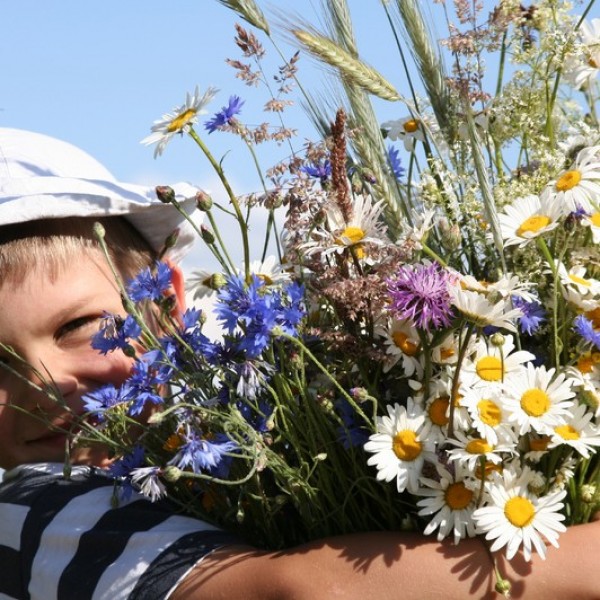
(395, 565)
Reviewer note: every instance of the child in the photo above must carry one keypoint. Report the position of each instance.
(60, 535)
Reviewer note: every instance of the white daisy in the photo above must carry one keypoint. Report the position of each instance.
(452, 503)
(490, 364)
(477, 309)
(527, 218)
(508, 285)
(515, 517)
(488, 415)
(580, 70)
(402, 345)
(593, 222)
(401, 446)
(579, 186)
(537, 400)
(577, 288)
(178, 120)
(409, 130)
(577, 432)
(586, 373)
(269, 270)
(470, 450)
(201, 283)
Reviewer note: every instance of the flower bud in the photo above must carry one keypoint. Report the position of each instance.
(172, 239)
(588, 491)
(207, 235)
(99, 230)
(203, 201)
(165, 194)
(497, 340)
(216, 281)
(171, 473)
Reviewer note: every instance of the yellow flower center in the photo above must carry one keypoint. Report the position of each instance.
(265, 278)
(568, 180)
(411, 125)
(352, 234)
(406, 446)
(438, 411)
(594, 317)
(488, 468)
(595, 219)
(539, 444)
(180, 121)
(533, 224)
(489, 368)
(585, 363)
(446, 353)
(478, 447)
(457, 496)
(519, 511)
(489, 412)
(535, 402)
(405, 344)
(579, 280)
(567, 432)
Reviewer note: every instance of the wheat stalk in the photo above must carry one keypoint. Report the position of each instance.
(349, 67)
(249, 11)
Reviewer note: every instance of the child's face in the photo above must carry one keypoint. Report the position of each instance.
(50, 324)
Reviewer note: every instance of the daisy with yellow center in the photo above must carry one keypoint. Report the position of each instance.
(477, 309)
(451, 500)
(409, 130)
(491, 365)
(402, 346)
(401, 445)
(488, 415)
(179, 120)
(578, 186)
(514, 517)
(593, 222)
(470, 450)
(538, 400)
(578, 432)
(365, 227)
(527, 218)
(578, 288)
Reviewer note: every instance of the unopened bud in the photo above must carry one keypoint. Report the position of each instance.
(171, 473)
(216, 281)
(99, 230)
(497, 340)
(172, 239)
(165, 194)
(203, 201)
(129, 350)
(359, 394)
(207, 235)
(503, 587)
(588, 491)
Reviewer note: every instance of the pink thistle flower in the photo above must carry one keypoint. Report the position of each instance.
(419, 293)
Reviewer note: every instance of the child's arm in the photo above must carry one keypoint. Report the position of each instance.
(395, 565)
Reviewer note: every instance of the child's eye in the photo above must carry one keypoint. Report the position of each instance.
(76, 324)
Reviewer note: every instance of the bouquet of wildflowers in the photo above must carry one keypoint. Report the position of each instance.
(423, 348)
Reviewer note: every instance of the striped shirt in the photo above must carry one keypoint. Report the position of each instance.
(63, 539)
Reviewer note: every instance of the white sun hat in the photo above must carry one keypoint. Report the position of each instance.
(42, 177)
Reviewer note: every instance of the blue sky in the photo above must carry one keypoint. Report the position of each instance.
(97, 74)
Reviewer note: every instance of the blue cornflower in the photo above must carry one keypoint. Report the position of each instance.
(203, 455)
(123, 466)
(585, 328)
(351, 434)
(147, 373)
(419, 293)
(115, 333)
(149, 286)
(533, 314)
(105, 397)
(395, 163)
(319, 170)
(225, 115)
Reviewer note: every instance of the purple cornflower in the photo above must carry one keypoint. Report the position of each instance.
(585, 328)
(420, 294)
(147, 373)
(203, 455)
(105, 397)
(225, 115)
(115, 333)
(533, 314)
(395, 163)
(149, 286)
(319, 170)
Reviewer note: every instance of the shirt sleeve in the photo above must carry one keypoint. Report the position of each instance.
(71, 541)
